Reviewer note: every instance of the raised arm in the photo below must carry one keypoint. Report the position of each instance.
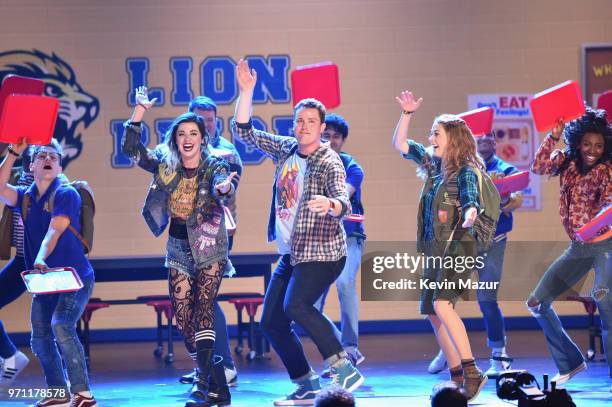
(247, 78)
(131, 144)
(269, 144)
(8, 193)
(547, 159)
(409, 106)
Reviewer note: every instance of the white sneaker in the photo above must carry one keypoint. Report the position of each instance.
(499, 364)
(563, 378)
(12, 367)
(231, 376)
(438, 363)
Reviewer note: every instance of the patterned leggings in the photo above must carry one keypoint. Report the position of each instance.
(193, 300)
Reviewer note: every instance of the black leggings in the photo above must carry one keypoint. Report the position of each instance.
(193, 300)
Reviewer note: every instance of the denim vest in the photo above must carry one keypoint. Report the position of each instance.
(206, 225)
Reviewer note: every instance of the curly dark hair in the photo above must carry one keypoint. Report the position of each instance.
(592, 121)
(337, 122)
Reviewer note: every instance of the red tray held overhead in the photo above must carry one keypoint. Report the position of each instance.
(480, 121)
(20, 85)
(320, 81)
(561, 101)
(605, 102)
(28, 116)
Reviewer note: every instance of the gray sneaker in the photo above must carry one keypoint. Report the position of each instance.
(499, 364)
(347, 376)
(438, 363)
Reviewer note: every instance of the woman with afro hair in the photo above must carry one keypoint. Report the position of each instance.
(584, 168)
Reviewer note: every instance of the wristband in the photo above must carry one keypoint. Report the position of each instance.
(12, 152)
(407, 112)
(332, 206)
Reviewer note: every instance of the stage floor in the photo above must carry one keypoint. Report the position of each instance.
(127, 374)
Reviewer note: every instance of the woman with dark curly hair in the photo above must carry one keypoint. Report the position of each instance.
(584, 168)
(186, 192)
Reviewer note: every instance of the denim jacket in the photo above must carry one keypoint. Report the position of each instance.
(206, 225)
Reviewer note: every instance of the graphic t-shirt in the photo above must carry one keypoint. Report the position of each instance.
(183, 197)
(289, 189)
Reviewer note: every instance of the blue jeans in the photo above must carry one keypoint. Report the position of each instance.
(347, 295)
(11, 287)
(487, 299)
(290, 296)
(565, 272)
(54, 318)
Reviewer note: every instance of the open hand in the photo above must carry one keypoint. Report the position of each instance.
(142, 97)
(407, 102)
(225, 186)
(247, 78)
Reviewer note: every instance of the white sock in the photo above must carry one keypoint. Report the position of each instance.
(499, 351)
(85, 393)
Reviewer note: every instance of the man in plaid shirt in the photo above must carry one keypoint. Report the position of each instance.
(308, 203)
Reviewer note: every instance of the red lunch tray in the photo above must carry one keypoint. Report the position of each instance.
(605, 102)
(480, 121)
(28, 116)
(320, 81)
(354, 217)
(561, 101)
(603, 219)
(512, 183)
(52, 281)
(20, 85)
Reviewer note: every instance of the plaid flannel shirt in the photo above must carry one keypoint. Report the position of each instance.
(314, 237)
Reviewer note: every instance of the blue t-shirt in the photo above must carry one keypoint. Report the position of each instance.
(69, 250)
(354, 177)
(497, 165)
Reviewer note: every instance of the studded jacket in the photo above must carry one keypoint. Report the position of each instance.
(206, 225)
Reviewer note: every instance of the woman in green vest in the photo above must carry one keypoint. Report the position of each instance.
(448, 208)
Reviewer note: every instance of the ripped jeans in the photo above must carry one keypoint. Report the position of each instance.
(563, 273)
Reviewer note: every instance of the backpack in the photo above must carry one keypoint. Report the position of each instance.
(486, 222)
(88, 210)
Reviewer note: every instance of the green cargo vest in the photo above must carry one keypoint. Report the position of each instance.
(447, 217)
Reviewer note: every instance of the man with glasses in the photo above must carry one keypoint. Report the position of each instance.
(48, 244)
(309, 201)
